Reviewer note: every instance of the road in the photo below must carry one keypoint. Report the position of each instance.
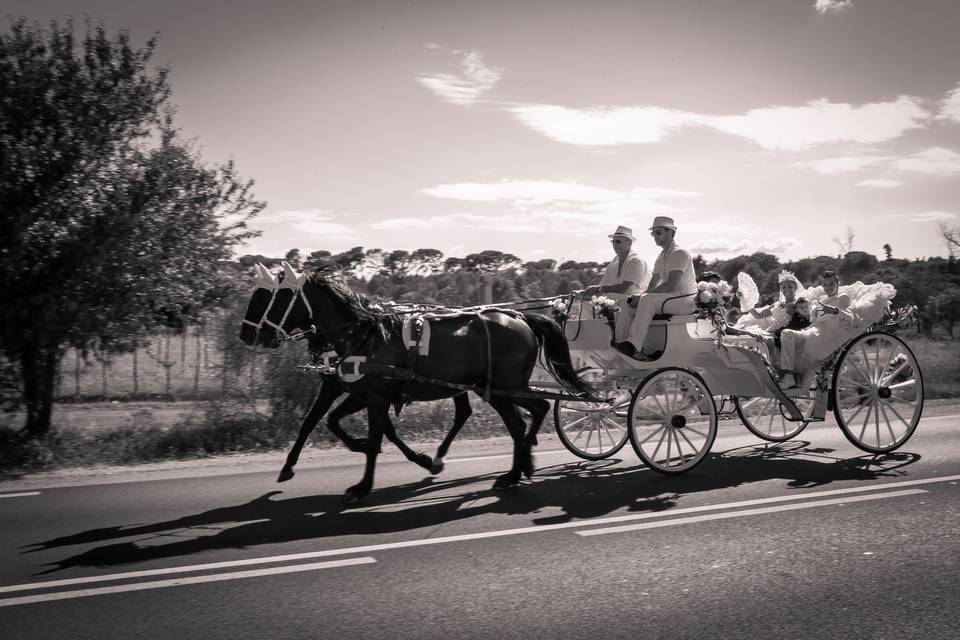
(810, 539)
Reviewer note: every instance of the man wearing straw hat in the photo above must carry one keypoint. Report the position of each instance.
(673, 287)
(626, 275)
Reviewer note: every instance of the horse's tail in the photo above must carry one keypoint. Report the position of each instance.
(556, 354)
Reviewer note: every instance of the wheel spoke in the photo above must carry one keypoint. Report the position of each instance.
(901, 385)
(699, 433)
(893, 436)
(866, 421)
(661, 428)
(692, 446)
(666, 430)
(896, 413)
(855, 413)
(669, 444)
(866, 359)
(856, 367)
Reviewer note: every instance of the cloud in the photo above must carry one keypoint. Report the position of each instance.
(926, 216)
(464, 89)
(724, 245)
(313, 223)
(824, 7)
(823, 122)
(950, 105)
(533, 191)
(783, 127)
(936, 161)
(932, 161)
(601, 125)
(846, 163)
(879, 183)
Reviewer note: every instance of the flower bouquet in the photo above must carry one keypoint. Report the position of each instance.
(560, 308)
(606, 308)
(711, 298)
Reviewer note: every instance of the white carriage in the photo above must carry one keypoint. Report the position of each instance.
(667, 408)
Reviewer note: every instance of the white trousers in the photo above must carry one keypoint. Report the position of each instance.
(632, 324)
(791, 345)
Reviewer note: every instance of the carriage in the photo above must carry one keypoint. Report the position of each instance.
(669, 408)
(666, 408)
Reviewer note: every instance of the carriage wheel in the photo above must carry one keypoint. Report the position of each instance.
(766, 418)
(877, 392)
(672, 420)
(593, 430)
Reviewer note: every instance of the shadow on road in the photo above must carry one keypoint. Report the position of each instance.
(581, 490)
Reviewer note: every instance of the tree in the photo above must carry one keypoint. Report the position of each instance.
(112, 226)
(951, 238)
(887, 252)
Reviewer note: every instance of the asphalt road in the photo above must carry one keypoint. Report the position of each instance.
(810, 539)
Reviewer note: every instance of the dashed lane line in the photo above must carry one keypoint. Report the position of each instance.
(178, 582)
(747, 512)
(19, 495)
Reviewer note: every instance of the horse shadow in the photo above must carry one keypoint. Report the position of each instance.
(564, 492)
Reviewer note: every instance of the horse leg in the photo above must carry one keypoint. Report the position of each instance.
(508, 411)
(415, 457)
(377, 414)
(538, 408)
(463, 412)
(348, 407)
(325, 397)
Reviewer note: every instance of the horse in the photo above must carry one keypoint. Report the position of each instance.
(491, 351)
(332, 388)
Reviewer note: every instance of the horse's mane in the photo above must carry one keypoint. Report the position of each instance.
(327, 275)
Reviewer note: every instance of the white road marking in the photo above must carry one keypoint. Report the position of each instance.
(748, 512)
(384, 546)
(19, 495)
(177, 582)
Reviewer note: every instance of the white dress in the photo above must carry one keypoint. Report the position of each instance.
(829, 332)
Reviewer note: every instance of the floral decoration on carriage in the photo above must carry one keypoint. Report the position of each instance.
(711, 301)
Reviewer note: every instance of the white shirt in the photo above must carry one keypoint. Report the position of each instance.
(634, 270)
(673, 258)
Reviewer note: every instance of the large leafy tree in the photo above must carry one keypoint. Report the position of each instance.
(111, 225)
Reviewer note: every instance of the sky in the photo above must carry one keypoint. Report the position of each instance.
(536, 128)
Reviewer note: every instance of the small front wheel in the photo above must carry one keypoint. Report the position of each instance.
(672, 420)
(593, 430)
(767, 419)
(877, 392)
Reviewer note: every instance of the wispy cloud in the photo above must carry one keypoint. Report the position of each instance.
(935, 161)
(783, 127)
(950, 106)
(879, 183)
(464, 88)
(846, 163)
(932, 161)
(602, 125)
(832, 6)
(313, 224)
(926, 216)
(724, 245)
(533, 191)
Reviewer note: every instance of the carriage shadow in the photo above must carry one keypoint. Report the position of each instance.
(564, 492)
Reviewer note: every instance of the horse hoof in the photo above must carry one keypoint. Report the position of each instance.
(354, 494)
(285, 474)
(437, 467)
(424, 461)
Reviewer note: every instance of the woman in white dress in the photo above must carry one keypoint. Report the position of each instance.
(770, 317)
(841, 313)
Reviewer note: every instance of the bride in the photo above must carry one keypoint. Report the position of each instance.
(770, 317)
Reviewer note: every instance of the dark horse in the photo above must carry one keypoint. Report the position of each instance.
(332, 388)
(491, 351)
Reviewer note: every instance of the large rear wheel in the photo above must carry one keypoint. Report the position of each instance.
(877, 392)
(672, 420)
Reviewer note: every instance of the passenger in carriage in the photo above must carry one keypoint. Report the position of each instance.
(673, 286)
(830, 323)
(626, 275)
(776, 315)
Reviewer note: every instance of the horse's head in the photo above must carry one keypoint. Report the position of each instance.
(290, 311)
(264, 291)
